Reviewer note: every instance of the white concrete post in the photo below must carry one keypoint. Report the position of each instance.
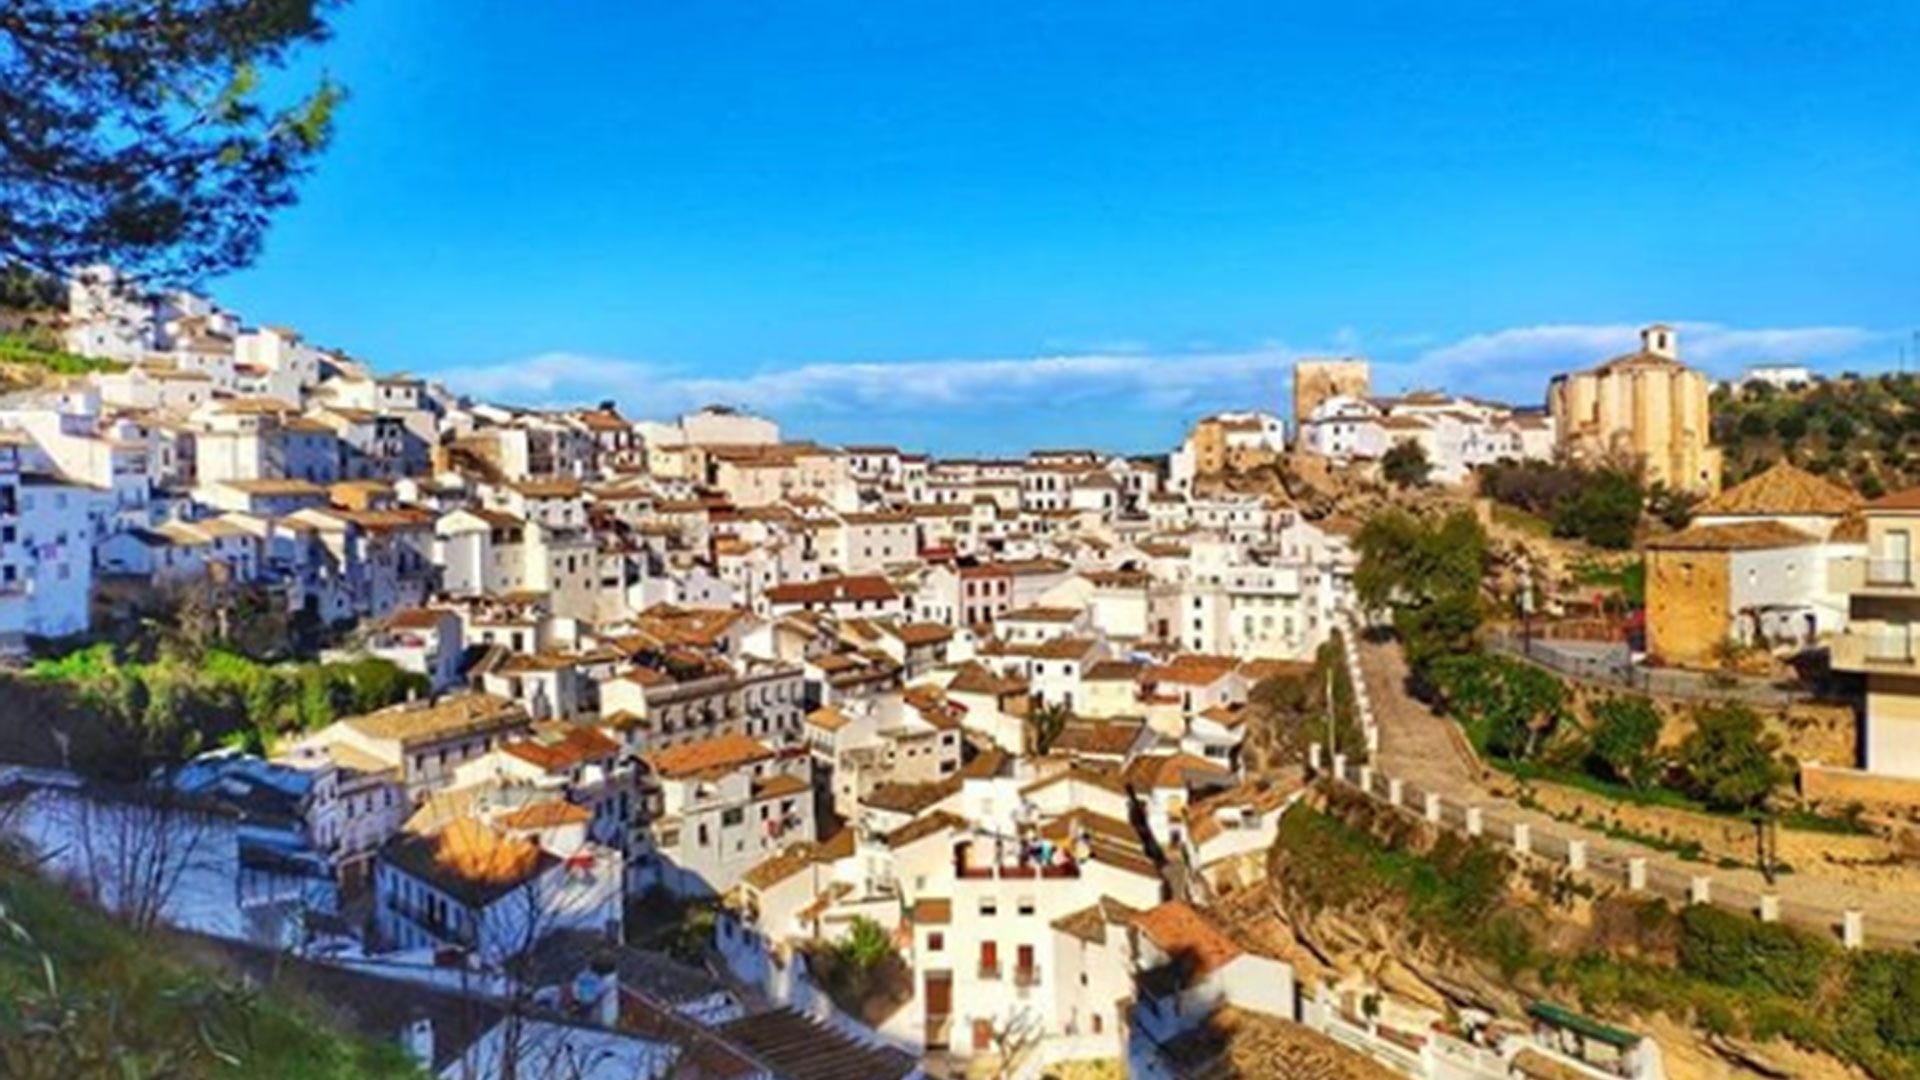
(1366, 779)
(1700, 890)
(1373, 741)
(1396, 790)
(1433, 808)
(1315, 757)
(1576, 854)
(1474, 824)
(1853, 928)
(1339, 766)
(1637, 874)
(1523, 838)
(1769, 907)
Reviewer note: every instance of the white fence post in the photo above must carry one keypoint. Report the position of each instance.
(1853, 928)
(1433, 808)
(1769, 907)
(1576, 854)
(1700, 890)
(1523, 838)
(1474, 824)
(1637, 874)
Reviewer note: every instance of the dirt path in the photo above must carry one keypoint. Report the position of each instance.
(1428, 754)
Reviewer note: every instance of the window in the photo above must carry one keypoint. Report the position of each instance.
(989, 907)
(936, 941)
(733, 816)
(1026, 905)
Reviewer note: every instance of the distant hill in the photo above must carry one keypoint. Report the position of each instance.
(1861, 431)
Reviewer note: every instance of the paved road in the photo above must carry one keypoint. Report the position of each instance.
(1428, 753)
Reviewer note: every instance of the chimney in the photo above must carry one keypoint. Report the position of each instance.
(418, 1040)
(1660, 340)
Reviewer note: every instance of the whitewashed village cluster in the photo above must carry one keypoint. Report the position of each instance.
(804, 682)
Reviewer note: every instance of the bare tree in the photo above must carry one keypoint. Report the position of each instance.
(133, 848)
(1014, 1037)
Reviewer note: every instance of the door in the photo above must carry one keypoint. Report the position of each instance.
(939, 1012)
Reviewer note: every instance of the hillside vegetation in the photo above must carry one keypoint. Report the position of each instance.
(82, 997)
(1862, 431)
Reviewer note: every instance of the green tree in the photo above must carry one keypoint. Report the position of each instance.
(1048, 721)
(1791, 426)
(1428, 576)
(866, 945)
(1626, 731)
(1406, 465)
(1508, 707)
(1604, 512)
(1673, 506)
(140, 134)
(1730, 760)
(1840, 430)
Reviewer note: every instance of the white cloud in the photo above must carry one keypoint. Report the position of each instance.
(1514, 363)
(1517, 362)
(549, 377)
(1155, 381)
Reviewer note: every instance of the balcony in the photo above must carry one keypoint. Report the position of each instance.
(1024, 977)
(1892, 577)
(1885, 648)
(989, 859)
(989, 969)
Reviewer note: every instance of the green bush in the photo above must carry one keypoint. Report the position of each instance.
(1738, 951)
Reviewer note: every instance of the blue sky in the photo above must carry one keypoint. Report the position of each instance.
(985, 226)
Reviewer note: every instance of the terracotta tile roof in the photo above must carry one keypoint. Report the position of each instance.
(1111, 671)
(833, 590)
(911, 798)
(1784, 490)
(779, 786)
(1191, 938)
(1191, 669)
(1908, 499)
(1743, 536)
(559, 747)
(416, 723)
(1108, 738)
(1151, 771)
(777, 868)
(828, 718)
(974, 678)
(921, 633)
(1041, 614)
(1090, 924)
(1105, 778)
(546, 815)
(720, 753)
(473, 863)
(924, 826)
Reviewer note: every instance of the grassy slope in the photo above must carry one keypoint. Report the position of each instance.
(80, 996)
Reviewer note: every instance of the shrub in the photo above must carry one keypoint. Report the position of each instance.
(1626, 731)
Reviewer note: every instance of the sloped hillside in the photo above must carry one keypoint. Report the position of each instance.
(82, 997)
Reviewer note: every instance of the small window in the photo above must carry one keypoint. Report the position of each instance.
(989, 907)
(936, 941)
